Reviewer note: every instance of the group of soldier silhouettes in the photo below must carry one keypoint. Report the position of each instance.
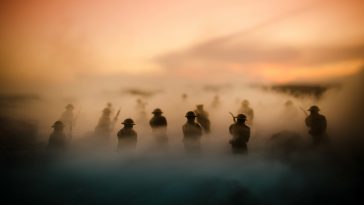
(197, 124)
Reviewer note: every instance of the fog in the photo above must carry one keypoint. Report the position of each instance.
(276, 171)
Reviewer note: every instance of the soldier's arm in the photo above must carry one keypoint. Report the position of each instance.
(231, 129)
(308, 122)
(120, 133)
(164, 121)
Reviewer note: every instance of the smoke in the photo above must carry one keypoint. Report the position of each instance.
(281, 167)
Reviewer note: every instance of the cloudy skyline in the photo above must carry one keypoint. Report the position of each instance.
(57, 43)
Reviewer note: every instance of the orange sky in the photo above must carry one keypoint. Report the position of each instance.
(55, 42)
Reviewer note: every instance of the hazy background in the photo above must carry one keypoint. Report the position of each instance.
(89, 53)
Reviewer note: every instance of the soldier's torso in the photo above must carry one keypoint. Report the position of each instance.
(127, 133)
(317, 124)
(240, 132)
(159, 121)
(57, 140)
(192, 131)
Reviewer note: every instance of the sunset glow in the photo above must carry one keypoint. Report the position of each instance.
(44, 42)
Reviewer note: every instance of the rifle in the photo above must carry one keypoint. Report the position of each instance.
(115, 119)
(234, 118)
(117, 115)
(304, 111)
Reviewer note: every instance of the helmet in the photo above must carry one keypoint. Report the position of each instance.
(190, 114)
(245, 102)
(58, 123)
(69, 106)
(128, 121)
(288, 103)
(157, 110)
(241, 117)
(314, 108)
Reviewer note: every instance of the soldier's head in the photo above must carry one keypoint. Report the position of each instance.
(58, 125)
(69, 107)
(109, 105)
(241, 118)
(190, 115)
(245, 103)
(184, 96)
(288, 103)
(157, 112)
(128, 122)
(314, 109)
(199, 106)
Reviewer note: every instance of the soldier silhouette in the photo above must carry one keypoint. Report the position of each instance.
(317, 124)
(67, 118)
(203, 118)
(57, 139)
(184, 96)
(192, 133)
(127, 137)
(104, 126)
(140, 108)
(240, 133)
(110, 107)
(247, 111)
(216, 102)
(159, 126)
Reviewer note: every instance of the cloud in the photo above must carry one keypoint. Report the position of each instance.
(224, 52)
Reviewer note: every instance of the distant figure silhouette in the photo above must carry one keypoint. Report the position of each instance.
(104, 126)
(57, 140)
(127, 137)
(159, 126)
(184, 96)
(216, 102)
(68, 119)
(192, 133)
(317, 124)
(203, 118)
(290, 109)
(140, 108)
(240, 133)
(247, 111)
(289, 117)
(110, 107)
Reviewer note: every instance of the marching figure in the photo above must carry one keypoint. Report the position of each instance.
(203, 118)
(240, 133)
(317, 124)
(159, 126)
(57, 140)
(192, 133)
(68, 120)
(247, 111)
(127, 137)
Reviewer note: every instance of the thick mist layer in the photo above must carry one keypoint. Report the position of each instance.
(283, 170)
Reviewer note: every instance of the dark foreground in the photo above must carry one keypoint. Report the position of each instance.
(306, 176)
